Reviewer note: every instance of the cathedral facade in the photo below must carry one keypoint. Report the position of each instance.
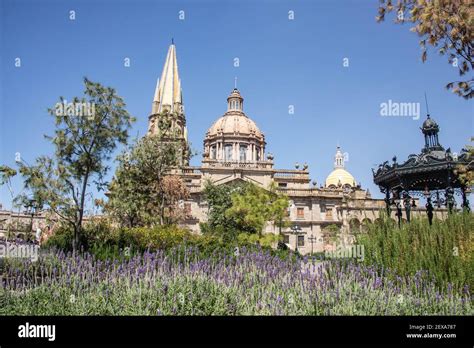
(234, 149)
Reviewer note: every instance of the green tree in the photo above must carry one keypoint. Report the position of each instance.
(257, 206)
(466, 172)
(447, 25)
(83, 143)
(6, 174)
(147, 189)
(219, 200)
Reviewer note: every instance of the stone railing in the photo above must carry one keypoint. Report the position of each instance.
(315, 192)
(291, 174)
(237, 164)
(191, 170)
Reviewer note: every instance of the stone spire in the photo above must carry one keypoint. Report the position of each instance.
(168, 97)
(168, 106)
(168, 94)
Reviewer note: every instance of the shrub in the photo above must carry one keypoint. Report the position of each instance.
(96, 233)
(158, 237)
(445, 249)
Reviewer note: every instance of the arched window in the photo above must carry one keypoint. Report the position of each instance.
(213, 152)
(243, 153)
(228, 152)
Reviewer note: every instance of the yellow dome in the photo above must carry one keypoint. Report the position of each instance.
(340, 176)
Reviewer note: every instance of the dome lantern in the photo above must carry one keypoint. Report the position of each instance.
(430, 130)
(235, 102)
(339, 177)
(235, 137)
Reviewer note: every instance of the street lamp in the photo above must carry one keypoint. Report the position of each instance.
(297, 231)
(32, 209)
(312, 240)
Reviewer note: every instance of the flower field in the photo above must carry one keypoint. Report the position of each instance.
(180, 282)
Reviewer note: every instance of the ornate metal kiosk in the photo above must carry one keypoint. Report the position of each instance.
(431, 174)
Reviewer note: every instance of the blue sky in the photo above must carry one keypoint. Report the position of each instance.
(282, 62)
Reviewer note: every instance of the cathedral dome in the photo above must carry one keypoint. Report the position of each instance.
(234, 124)
(234, 136)
(339, 177)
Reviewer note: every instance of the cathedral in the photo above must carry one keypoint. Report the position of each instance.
(234, 149)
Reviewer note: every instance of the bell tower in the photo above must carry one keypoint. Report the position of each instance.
(167, 118)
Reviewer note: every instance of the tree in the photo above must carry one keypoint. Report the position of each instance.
(174, 192)
(257, 206)
(447, 25)
(147, 189)
(6, 173)
(83, 144)
(466, 172)
(219, 199)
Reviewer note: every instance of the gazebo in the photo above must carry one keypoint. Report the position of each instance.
(431, 174)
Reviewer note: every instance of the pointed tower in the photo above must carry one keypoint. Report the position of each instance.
(168, 103)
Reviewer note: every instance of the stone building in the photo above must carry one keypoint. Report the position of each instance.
(234, 149)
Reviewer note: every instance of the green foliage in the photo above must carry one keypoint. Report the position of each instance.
(158, 237)
(6, 173)
(62, 238)
(142, 191)
(241, 207)
(219, 200)
(445, 250)
(257, 206)
(267, 240)
(97, 233)
(466, 172)
(83, 145)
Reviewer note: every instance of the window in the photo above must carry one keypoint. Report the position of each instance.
(243, 153)
(300, 213)
(286, 238)
(300, 241)
(258, 153)
(213, 152)
(282, 184)
(228, 152)
(329, 214)
(187, 209)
